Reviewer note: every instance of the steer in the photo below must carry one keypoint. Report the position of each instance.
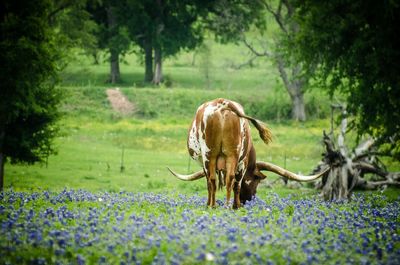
(219, 139)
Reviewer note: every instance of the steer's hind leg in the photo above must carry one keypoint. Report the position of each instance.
(209, 191)
(230, 176)
(211, 185)
(236, 190)
(213, 189)
(211, 182)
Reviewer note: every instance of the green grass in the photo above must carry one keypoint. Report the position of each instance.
(94, 136)
(90, 155)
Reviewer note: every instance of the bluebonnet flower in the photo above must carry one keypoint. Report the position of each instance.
(180, 232)
(80, 260)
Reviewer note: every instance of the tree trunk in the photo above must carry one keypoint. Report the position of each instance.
(115, 75)
(340, 181)
(347, 169)
(148, 60)
(114, 53)
(157, 42)
(294, 86)
(298, 106)
(158, 75)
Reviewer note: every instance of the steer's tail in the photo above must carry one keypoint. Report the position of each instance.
(264, 132)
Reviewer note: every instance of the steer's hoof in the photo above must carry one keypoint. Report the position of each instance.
(235, 206)
(227, 206)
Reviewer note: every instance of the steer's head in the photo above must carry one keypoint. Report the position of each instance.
(249, 186)
(251, 179)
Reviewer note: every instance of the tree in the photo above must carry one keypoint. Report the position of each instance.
(73, 25)
(111, 35)
(230, 21)
(292, 73)
(352, 47)
(162, 28)
(28, 96)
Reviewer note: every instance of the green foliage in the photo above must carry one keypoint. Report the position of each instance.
(73, 25)
(169, 25)
(230, 19)
(111, 35)
(356, 51)
(28, 96)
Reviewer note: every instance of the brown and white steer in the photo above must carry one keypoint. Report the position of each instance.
(219, 138)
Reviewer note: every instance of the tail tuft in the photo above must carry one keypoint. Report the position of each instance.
(263, 131)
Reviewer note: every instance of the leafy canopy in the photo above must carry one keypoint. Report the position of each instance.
(170, 25)
(28, 96)
(110, 37)
(353, 46)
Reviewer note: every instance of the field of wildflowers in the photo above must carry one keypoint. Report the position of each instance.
(80, 227)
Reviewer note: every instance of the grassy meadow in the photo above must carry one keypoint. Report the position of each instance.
(80, 207)
(95, 139)
(94, 136)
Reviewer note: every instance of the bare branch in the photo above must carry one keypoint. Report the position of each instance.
(369, 168)
(367, 154)
(330, 146)
(254, 51)
(372, 185)
(341, 137)
(363, 147)
(248, 62)
(277, 15)
(393, 176)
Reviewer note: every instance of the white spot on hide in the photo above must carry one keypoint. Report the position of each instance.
(247, 182)
(241, 144)
(209, 111)
(193, 142)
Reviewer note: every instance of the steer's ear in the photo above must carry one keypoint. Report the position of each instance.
(258, 174)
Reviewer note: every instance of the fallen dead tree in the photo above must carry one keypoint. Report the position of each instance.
(349, 169)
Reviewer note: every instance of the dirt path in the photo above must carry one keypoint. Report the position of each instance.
(120, 102)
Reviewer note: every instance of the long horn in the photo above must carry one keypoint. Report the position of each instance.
(194, 176)
(286, 173)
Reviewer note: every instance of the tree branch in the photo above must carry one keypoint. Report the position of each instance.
(363, 148)
(248, 62)
(341, 137)
(254, 51)
(57, 10)
(369, 168)
(277, 15)
(372, 185)
(284, 76)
